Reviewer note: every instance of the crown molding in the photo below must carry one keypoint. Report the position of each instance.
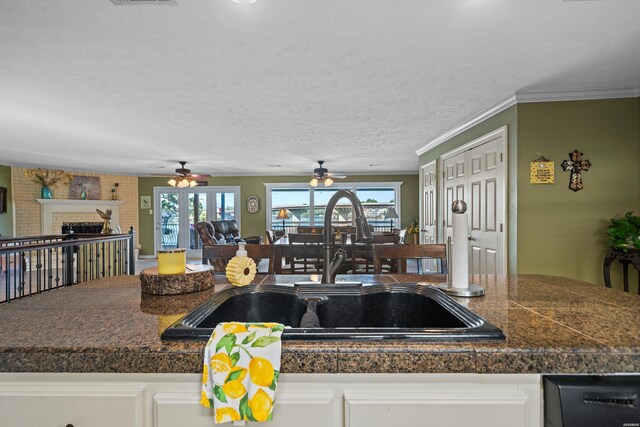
(501, 106)
(578, 94)
(539, 96)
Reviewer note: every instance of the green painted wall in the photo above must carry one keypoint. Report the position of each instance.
(553, 230)
(561, 232)
(6, 219)
(509, 118)
(255, 224)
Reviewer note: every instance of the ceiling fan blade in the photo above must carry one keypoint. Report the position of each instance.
(336, 175)
(200, 175)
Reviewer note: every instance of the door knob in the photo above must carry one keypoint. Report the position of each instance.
(469, 237)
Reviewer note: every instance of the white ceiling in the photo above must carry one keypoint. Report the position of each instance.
(236, 89)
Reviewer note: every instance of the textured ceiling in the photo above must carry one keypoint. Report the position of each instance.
(236, 89)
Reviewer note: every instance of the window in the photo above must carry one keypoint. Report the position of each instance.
(376, 201)
(307, 205)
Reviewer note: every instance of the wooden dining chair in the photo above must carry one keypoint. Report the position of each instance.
(304, 229)
(362, 256)
(306, 250)
(401, 253)
(219, 255)
(271, 237)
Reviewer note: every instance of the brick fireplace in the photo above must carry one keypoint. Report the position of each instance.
(57, 211)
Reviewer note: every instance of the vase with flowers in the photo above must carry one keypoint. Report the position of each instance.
(413, 231)
(47, 179)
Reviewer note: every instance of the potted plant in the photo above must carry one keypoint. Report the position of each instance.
(413, 230)
(624, 233)
(47, 179)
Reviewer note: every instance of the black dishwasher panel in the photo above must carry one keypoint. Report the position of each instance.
(591, 401)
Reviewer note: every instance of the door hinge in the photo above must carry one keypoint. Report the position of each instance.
(501, 227)
(500, 156)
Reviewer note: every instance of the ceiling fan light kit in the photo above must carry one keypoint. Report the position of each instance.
(183, 178)
(322, 177)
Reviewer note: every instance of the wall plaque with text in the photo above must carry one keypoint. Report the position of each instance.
(541, 172)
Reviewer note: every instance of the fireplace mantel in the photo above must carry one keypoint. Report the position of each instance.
(49, 206)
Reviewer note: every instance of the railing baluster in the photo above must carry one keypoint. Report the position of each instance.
(7, 284)
(37, 264)
(30, 273)
(16, 284)
(38, 268)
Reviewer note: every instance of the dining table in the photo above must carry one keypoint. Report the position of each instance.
(284, 249)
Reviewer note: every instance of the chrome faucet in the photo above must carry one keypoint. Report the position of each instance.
(363, 235)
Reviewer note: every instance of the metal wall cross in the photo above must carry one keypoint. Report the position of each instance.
(576, 165)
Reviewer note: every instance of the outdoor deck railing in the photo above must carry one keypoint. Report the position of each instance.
(378, 226)
(31, 265)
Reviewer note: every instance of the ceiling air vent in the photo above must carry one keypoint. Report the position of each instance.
(130, 2)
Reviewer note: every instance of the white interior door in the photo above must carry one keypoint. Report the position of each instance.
(485, 218)
(428, 212)
(475, 174)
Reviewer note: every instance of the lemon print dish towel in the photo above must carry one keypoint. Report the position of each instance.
(241, 367)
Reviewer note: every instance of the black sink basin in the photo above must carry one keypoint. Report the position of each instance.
(405, 311)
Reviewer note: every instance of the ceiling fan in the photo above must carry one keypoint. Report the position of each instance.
(183, 177)
(321, 176)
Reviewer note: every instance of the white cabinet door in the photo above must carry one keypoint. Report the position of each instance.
(292, 409)
(59, 405)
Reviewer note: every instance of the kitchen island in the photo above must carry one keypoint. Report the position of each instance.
(107, 332)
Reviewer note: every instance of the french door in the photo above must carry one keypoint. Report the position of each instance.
(476, 174)
(178, 210)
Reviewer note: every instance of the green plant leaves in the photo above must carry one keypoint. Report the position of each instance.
(235, 357)
(219, 393)
(249, 338)
(245, 410)
(274, 383)
(624, 232)
(228, 341)
(234, 375)
(265, 341)
(277, 328)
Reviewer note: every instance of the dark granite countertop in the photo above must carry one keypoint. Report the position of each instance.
(552, 324)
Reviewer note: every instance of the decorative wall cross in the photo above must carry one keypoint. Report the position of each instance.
(576, 165)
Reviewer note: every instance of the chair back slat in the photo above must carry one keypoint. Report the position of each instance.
(306, 249)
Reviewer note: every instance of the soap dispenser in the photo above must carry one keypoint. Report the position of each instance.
(241, 269)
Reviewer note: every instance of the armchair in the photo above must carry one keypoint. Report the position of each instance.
(227, 231)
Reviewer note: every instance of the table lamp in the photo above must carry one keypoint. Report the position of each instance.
(283, 214)
(391, 214)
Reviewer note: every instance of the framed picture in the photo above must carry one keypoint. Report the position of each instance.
(145, 202)
(85, 188)
(3, 200)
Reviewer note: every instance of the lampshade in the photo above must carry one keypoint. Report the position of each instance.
(322, 181)
(391, 213)
(182, 182)
(283, 214)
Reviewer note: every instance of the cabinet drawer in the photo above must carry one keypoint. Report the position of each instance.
(308, 409)
(86, 405)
